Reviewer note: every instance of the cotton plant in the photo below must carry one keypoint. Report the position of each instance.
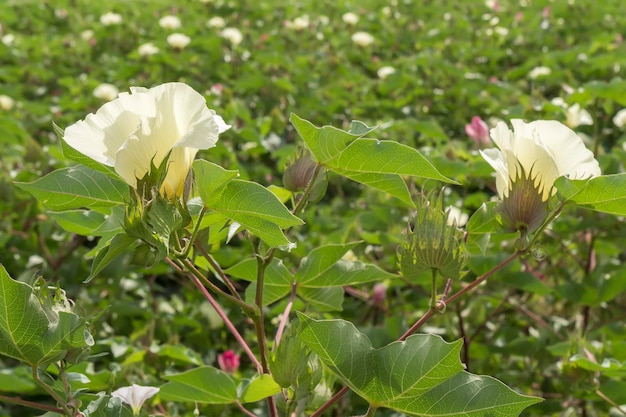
(138, 172)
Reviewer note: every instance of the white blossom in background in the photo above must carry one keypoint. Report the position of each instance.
(8, 39)
(384, 72)
(169, 22)
(178, 40)
(232, 35)
(135, 396)
(106, 91)
(110, 19)
(540, 71)
(577, 116)
(6, 102)
(619, 119)
(147, 49)
(216, 22)
(350, 18)
(456, 217)
(362, 38)
(140, 129)
(86, 35)
(301, 23)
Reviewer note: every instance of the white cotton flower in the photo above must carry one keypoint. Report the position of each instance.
(546, 149)
(178, 40)
(139, 129)
(86, 35)
(539, 72)
(619, 119)
(6, 102)
(577, 116)
(350, 18)
(169, 22)
(233, 35)
(147, 49)
(529, 160)
(106, 91)
(362, 38)
(384, 72)
(216, 22)
(135, 396)
(8, 39)
(109, 19)
(301, 23)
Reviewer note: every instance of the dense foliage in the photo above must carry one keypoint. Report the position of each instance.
(549, 324)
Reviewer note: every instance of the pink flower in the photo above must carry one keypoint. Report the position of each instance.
(478, 131)
(228, 361)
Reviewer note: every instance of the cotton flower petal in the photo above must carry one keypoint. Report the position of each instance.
(101, 135)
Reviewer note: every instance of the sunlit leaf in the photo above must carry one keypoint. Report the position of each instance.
(205, 384)
(77, 187)
(606, 193)
(421, 376)
(33, 334)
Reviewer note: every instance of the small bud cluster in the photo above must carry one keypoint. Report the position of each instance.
(432, 244)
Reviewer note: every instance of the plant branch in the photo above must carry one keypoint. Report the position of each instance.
(227, 322)
(26, 403)
(52, 393)
(218, 270)
(285, 317)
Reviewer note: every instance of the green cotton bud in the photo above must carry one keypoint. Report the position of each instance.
(300, 171)
(432, 243)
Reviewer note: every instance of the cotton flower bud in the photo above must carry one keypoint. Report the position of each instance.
(432, 244)
(228, 361)
(299, 173)
(524, 208)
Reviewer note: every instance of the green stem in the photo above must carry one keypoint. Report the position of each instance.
(433, 291)
(52, 393)
(259, 319)
(218, 270)
(25, 403)
(192, 238)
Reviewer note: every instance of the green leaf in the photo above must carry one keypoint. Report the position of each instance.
(254, 207)
(324, 299)
(81, 222)
(205, 385)
(606, 193)
(412, 376)
(35, 333)
(115, 248)
(480, 226)
(211, 177)
(104, 406)
(324, 142)
(385, 157)
(388, 183)
(77, 187)
(17, 380)
(258, 388)
(323, 267)
(378, 164)
(277, 283)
